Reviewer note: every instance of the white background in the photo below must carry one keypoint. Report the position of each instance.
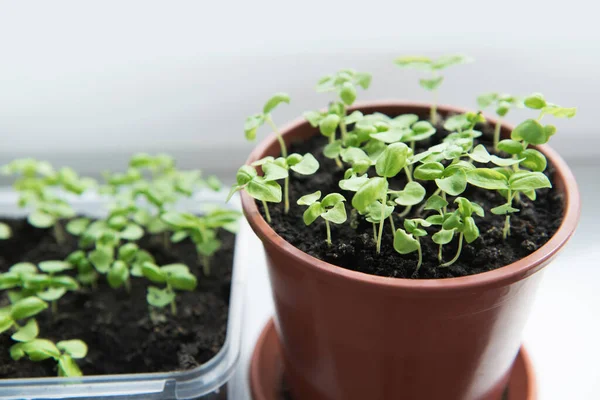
(87, 83)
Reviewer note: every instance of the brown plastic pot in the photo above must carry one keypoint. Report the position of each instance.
(347, 335)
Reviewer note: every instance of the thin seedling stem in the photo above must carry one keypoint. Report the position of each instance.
(460, 242)
(328, 233)
(266, 207)
(382, 220)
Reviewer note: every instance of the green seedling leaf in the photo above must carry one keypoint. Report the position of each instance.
(453, 221)
(52, 294)
(435, 203)
(390, 136)
(332, 199)
(36, 350)
(263, 190)
(530, 131)
(560, 112)
(348, 93)
(132, 232)
(40, 219)
(118, 274)
(416, 62)
(505, 162)
(392, 160)
(313, 212)
(353, 155)
(329, 124)
(429, 171)
(431, 84)
(374, 212)
(333, 150)
(486, 100)
(307, 166)
(174, 269)
(420, 131)
(549, 130)
(182, 281)
(9, 280)
(6, 322)
(533, 160)
(363, 79)
(443, 236)
(457, 123)
(159, 297)
(245, 174)
(67, 367)
(354, 117)
(504, 209)
(444, 62)
(27, 307)
(375, 189)
(5, 231)
(127, 252)
(252, 124)
(117, 222)
(405, 243)
(274, 101)
(454, 184)
(77, 226)
(413, 193)
(102, 258)
(274, 172)
(535, 101)
(313, 118)
(470, 230)
(64, 281)
(529, 181)
(27, 332)
(153, 272)
(487, 178)
(52, 267)
(336, 214)
(353, 183)
(180, 220)
(480, 154)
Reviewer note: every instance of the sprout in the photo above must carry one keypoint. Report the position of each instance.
(257, 120)
(24, 308)
(407, 241)
(5, 231)
(503, 103)
(273, 167)
(331, 209)
(174, 276)
(262, 188)
(45, 283)
(509, 184)
(39, 186)
(344, 83)
(460, 221)
(433, 67)
(202, 230)
(63, 352)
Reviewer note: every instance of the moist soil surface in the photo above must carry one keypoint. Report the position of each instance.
(355, 248)
(116, 325)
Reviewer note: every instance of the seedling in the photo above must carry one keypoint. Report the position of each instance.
(202, 230)
(40, 187)
(45, 283)
(64, 353)
(407, 241)
(25, 308)
(503, 103)
(262, 188)
(303, 165)
(331, 209)
(5, 231)
(510, 184)
(432, 66)
(174, 276)
(461, 222)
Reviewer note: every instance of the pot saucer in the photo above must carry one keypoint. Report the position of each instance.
(266, 370)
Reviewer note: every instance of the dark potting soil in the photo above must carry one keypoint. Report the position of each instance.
(355, 249)
(116, 325)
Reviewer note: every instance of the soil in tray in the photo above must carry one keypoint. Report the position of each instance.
(355, 248)
(116, 325)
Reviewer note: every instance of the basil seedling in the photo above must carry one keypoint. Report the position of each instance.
(262, 188)
(331, 209)
(502, 103)
(64, 353)
(5, 231)
(175, 277)
(407, 241)
(433, 66)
